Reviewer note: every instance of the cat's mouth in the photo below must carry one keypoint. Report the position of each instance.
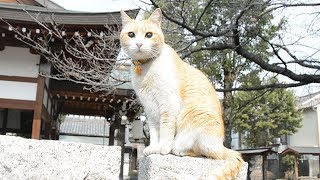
(141, 53)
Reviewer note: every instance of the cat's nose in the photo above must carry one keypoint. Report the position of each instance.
(139, 45)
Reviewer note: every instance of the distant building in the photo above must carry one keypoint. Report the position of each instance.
(306, 142)
(33, 106)
(304, 145)
(309, 134)
(30, 104)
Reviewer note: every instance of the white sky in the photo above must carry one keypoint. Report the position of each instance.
(100, 5)
(303, 28)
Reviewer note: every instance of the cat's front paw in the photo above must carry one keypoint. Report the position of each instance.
(178, 153)
(151, 150)
(165, 149)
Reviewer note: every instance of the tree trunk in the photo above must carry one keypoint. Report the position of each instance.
(229, 78)
(227, 118)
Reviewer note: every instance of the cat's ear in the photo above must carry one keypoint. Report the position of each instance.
(156, 16)
(124, 18)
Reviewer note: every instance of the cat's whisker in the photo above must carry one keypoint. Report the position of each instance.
(152, 53)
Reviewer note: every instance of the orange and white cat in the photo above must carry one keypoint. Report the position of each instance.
(183, 110)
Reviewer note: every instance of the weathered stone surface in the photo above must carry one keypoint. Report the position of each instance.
(156, 167)
(41, 159)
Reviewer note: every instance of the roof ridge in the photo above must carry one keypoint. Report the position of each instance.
(49, 4)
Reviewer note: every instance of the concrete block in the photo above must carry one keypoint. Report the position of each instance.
(42, 159)
(156, 167)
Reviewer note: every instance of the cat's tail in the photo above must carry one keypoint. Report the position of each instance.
(231, 167)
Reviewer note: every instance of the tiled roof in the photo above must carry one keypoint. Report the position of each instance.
(18, 12)
(301, 150)
(256, 151)
(308, 101)
(85, 126)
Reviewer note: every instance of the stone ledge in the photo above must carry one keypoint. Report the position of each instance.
(156, 167)
(42, 159)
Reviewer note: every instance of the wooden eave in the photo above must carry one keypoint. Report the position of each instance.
(296, 150)
(256, 151)
(72, 99)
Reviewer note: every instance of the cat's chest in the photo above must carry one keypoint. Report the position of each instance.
(157, 78)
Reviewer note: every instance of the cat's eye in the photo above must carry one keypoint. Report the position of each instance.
(131, 34)
(149, 34)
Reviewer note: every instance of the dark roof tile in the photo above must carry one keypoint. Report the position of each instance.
(18, 12)
(85, 126)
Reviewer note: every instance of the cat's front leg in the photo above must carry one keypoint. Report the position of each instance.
(167, 133)
(154, 147)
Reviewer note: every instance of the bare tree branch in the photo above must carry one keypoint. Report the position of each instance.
(85, 58)
(262, 87)
(235, 30)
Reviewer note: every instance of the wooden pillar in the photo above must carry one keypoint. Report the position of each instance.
(121, 139)
(133, 160)
(264, 166)
(47, 130)
(296, 174)
(111, 133)
(4, 122)
(36, 124)
(122, 131)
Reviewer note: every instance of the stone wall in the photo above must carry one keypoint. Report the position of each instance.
(42, 159)
(157, 166)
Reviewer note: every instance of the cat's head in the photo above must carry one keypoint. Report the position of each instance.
(142, 39)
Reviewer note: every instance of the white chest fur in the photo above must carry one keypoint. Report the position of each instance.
(157, 86)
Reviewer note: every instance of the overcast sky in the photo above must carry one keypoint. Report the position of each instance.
(100, 5)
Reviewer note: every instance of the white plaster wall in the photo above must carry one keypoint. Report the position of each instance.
(318, 122)
(308, 134)
(18, 90)
(16, 61)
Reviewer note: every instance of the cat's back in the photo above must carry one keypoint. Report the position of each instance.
(193, 77)
(196, 90)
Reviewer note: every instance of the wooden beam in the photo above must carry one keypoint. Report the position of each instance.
(264, 166)
(36, 125)
(17, 104)
(18, 79)
(47, 129)
(122, 138)
(45, 114)
(56, 94)
(112, 128)
(83, 111)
